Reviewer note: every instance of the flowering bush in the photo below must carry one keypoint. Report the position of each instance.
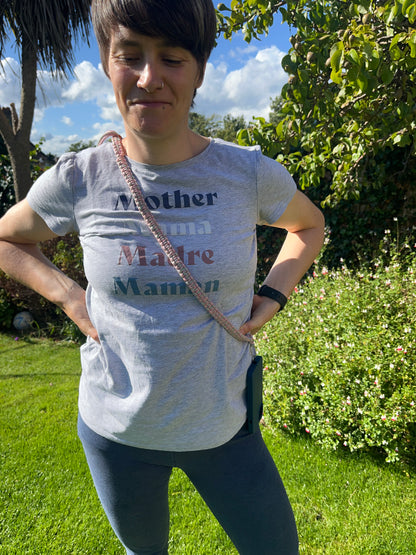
(341, 359)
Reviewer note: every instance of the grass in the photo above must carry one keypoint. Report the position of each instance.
(349, 504)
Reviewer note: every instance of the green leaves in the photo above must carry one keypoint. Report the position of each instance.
(409, 10)
(351, 82)
(336, 59)
(253, 17)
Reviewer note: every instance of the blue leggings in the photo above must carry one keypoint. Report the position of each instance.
(238, 481)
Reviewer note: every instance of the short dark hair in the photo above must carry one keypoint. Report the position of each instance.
(190, 24)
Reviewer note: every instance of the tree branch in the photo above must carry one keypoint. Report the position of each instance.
(5, 127)
(14, 118)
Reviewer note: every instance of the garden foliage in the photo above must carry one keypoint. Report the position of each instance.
(351, 86)
(344, 124)
(341, 359)
(7, 197)
(50, 321)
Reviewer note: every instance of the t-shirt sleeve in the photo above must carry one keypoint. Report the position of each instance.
(52, 196)
(275, 189)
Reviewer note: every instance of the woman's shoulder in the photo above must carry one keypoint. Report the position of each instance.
(90, 155)
(234, 154)
(230, 147)
(91, 160)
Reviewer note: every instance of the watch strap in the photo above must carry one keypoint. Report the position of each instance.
(266, 291)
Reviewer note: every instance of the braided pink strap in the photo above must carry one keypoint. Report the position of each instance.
(164, 242)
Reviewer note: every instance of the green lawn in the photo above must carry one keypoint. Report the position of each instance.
(343, 503)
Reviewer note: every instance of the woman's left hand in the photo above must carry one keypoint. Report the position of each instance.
(262, 311)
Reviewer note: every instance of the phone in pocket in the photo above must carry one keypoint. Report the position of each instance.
(254, 394)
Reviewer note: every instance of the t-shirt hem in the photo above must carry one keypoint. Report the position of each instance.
(231, 432)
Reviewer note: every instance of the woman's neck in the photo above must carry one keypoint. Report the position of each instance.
(160, 152)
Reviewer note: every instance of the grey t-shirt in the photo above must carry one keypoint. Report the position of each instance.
(165, 375)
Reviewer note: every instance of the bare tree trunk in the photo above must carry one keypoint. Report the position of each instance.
(16, 132)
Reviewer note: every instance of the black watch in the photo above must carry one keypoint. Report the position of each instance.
(266, 291)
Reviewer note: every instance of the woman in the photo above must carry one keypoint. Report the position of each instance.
(163, 384)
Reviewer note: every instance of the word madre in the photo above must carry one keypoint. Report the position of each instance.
(141, 257)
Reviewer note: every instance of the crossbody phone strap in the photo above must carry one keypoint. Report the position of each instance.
(164, 242)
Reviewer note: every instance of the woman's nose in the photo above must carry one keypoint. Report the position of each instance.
(149, 78)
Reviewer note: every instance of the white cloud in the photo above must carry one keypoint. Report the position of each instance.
(50, 87)
(90, 84)
(109, 110)
(58, 144)
(48, 92)
(103, 127)
(246, 91)
(9, 82)
(67, 120)
(242, 52)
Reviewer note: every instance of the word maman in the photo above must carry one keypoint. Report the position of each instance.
(141, 257)
(168, 201)
(132, 285)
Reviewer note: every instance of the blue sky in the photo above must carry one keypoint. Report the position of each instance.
(240, 79)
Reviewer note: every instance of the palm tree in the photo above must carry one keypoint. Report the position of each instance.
(44, 31)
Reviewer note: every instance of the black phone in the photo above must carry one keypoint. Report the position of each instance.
(254, 394)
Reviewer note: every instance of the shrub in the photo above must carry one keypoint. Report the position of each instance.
(269, 241)
(50, 320)
(341, 360)
(7, 193)
(7, 311)
(355, 225)
(7, 196)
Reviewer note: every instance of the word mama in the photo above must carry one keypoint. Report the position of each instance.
(179, 228)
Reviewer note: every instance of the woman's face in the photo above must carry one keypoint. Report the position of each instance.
(153, 83)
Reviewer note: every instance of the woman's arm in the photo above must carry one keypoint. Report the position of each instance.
(20, 257)
(305, 225)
